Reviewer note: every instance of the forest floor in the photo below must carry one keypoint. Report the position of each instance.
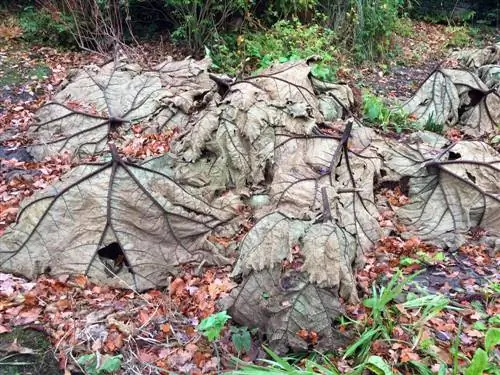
(156, 331)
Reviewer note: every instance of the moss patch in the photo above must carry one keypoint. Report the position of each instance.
(26, 351)
(12, 74)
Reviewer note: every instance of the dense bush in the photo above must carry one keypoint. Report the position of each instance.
(362, 26)
(284, 41)
(259, 31)
(303, 10)
(197, 21)
(370, 26)
(46, 27)
(457, 12)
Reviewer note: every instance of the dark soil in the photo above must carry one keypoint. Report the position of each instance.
(27, 351)
(398, 81)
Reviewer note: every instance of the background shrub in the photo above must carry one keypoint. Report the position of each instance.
(196, 22)
(284, 41)
(43, 26)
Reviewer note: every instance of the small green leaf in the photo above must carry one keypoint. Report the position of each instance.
(478, 363)
(241, 339)
(442, 369)
(495, 319)
(212, 325)
(407, 261)
(439, 256)
(369, 302)
(492, 338)
(480, 326)
(378, 366)
(422, 369)
(89, 363)
(373, 112)
(110, 365)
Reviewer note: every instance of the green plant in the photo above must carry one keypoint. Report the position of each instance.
(278, 365)
(370, 26)
(95, 364)
(494, 320)
(196, 22)
(324, 72)
(381, 315)
(433, 126)
(404, 26)
(44, 26)
(480, 361)
(284, 41)
(455, 349)
(381, 296)
(242, 341)
(284, 9)
(427, 343)
(458, 36)
(211, 326)
(423, 257)
(377, 365)
(382, 319)
(378, 113)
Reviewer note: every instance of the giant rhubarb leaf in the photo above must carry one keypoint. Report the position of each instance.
(113, 218)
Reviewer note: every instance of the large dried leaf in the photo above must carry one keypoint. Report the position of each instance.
(320, 205)
(264, 134)
(268, 243)
(96, 100)
(239, 136)
(281, 304)
(478, 57)
(451, 189)
(157, 223)
(490, 75)
(437, 100)
(307, 183)
(484, 117)
(330, 253)
(449, 96)
(187, 81)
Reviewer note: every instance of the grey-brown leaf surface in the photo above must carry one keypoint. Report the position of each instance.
(158, 224)
(265, 142)
(476, 58)
(286, 303)
(452, 189)
(98, 100)
(469, 99)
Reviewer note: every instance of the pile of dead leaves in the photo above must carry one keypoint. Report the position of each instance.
(155, 329)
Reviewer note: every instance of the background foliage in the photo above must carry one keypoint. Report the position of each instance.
(244, 35)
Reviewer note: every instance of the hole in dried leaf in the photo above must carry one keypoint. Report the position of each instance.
(113, 252)
(471, 177)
